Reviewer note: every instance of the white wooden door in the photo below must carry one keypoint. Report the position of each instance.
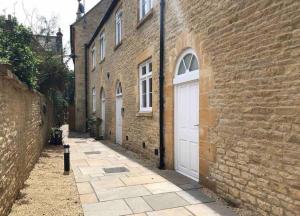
(119, 102)
(103, 116)
(187, 129)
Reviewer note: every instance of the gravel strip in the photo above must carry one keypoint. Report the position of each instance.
(48, 191)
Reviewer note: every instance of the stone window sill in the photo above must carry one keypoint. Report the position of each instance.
(102, 61)
(144, 114)
(118, 45)
(147, 17)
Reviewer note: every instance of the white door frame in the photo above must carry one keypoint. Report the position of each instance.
(119, 99)
(103, 99)
(190, 77)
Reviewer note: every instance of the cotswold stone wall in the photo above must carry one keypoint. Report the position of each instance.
(249, 53)
(83, 30)
(140, 42)
(25, 120)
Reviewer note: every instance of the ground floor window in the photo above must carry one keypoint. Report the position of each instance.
(145, 84)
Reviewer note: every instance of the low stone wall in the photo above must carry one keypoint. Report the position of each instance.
(25, 120)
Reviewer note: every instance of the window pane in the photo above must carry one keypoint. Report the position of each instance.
(144, 94)
(194, 64)
(150, 67)
(144, 102)
(144, 70)
(181, 69)
(187, 60)
(144, 87)
(150, 92)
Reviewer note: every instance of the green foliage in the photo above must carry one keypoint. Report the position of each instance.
(53, 74)
(16, 48)
(70, 87)
(38, 68)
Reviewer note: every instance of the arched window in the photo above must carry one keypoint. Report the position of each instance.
(188, 63)
(187, 68)
(119, 89)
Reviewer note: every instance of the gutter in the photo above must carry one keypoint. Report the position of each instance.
(161, 86)
(86, 82)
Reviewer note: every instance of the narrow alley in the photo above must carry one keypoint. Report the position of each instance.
(113, 181)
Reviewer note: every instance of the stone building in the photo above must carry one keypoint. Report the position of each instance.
(208, 88)
(81, 32)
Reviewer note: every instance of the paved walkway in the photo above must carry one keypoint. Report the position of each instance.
(112, 181)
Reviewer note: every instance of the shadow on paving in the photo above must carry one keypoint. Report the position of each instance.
(187, 185)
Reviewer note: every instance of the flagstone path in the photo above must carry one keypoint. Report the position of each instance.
(112, 181)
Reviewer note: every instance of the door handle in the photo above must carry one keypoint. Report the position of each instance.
(196, 125)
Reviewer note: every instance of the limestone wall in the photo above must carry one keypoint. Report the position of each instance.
(82, 32)
(248, 52)
(249, 55)
(25, 120)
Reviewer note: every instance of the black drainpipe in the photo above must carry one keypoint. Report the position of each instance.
(161, 87)
(86, 82)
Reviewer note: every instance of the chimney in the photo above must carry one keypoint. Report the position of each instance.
(80, 10)
(59, 43)
(9, 23)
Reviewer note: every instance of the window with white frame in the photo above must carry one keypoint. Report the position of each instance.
(145, 7)
(93, 58)
(119, 26)
(145, 71)
(94, 99)
(102, 46)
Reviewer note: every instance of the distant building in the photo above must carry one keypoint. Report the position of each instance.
(51, 43)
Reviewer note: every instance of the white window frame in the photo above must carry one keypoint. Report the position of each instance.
(102, 46)
(94, 99)
(119, 26)
(142, 78)
(146, 6)
(188, 75)
(93, 58)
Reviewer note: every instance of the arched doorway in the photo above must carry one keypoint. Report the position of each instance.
(102, 99)
(186, 115)
(119, 104)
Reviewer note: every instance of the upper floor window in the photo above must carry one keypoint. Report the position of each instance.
(145, 71)
(93, 58)
(145, 7)
(94, 99)
(102, 46)
(119, 26)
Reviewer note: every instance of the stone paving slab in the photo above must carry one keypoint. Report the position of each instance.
(163, 187)
(143, 190)
(172, 212)
(138, 205)
(110, 208)
(145, 179)
(107, 183)
(195, 196)
(210, 209)
(122, 192)
(84, 188)
(88, 198)
(165, 201)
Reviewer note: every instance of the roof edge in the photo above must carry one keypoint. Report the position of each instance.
(103, 21)
(74, 23)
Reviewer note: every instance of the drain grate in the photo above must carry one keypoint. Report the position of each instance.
(92, 153)
(115, 170)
